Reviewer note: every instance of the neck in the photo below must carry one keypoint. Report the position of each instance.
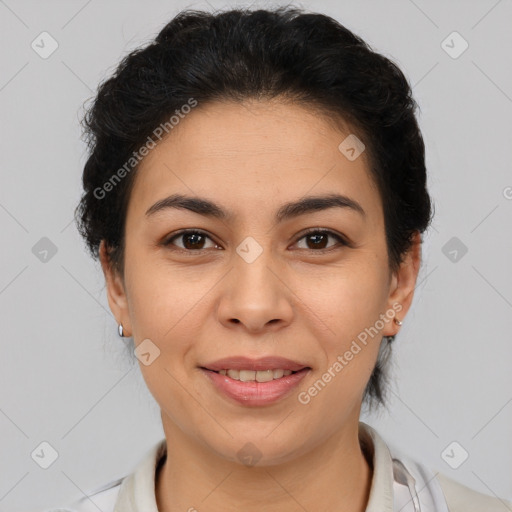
(333, 476)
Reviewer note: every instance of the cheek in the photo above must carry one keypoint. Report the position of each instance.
(164, 298)
(346, 300)
(349, 304)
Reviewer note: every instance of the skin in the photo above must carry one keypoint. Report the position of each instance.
(291, 301)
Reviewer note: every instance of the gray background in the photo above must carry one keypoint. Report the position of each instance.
(65, 376)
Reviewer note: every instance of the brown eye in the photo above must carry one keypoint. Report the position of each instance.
(191, 240)
(195, 241)
(317, 240)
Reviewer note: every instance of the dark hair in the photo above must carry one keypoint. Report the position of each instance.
(305, 58)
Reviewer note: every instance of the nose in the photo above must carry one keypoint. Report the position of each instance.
(255, 295)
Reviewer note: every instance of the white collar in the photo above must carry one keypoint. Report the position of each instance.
(381, 490)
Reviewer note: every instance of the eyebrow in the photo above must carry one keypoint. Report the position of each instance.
(208, 208)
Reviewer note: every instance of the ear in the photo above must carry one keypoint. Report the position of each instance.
(116, 294)
(403, 282)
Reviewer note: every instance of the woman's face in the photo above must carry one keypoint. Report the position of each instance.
(254, 283)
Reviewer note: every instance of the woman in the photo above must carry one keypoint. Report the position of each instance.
(256, 194)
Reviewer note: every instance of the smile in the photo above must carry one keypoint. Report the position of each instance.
(258, 376)
(255, 388)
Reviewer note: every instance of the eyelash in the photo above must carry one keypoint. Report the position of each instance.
(342, 241)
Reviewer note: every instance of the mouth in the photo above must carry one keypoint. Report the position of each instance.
(255, 388)
(246, 364)
(246, 375)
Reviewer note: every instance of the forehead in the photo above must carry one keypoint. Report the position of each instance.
(251, 154)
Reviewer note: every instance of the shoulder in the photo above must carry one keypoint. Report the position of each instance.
(134, 491)
(464, 499)
(102, 498)
(440, 492)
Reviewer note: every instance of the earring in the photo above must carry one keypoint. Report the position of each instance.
(120, 330)
(398, 322)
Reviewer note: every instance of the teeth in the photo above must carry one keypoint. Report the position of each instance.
(258, 376)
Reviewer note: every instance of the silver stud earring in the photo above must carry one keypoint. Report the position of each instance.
(398, 322)
(120, 330)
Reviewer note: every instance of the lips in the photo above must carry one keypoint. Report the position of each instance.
(246, 363)
(253, 393)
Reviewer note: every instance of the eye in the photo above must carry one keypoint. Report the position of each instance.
(193, 240)
(318, 239)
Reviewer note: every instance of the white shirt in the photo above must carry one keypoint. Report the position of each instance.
(427, 491)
